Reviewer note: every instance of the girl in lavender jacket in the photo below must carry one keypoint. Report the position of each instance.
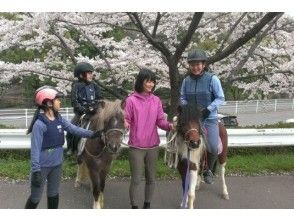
(143, 114)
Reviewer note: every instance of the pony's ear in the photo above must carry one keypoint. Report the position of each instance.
(101, 104)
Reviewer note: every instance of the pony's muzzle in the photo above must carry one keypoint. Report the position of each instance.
(194, 144)
(114, 147)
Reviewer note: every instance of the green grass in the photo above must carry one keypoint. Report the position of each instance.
(261, 163)
(256, 161)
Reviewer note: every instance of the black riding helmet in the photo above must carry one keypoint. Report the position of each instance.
(82, 67)
(197, 55)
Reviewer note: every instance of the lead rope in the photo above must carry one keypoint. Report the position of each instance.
(161, 145)
(187, 180)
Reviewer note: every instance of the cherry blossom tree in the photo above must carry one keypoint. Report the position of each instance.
(251, 51)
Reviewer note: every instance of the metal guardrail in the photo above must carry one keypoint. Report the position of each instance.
(22, 117)
(17, 138)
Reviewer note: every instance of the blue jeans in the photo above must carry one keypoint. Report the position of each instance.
(211, 127)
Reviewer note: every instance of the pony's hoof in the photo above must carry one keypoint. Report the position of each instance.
(226, 196)
(77, 184)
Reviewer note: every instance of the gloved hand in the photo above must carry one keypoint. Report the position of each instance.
(81, 110)
(36, 179)
(96, 134)
(205, 113)
(91, 111)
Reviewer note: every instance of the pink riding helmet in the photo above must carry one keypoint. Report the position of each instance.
(46, 92)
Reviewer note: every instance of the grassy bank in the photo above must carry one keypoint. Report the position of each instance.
(246, 161)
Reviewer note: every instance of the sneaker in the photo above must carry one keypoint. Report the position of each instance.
(208, 177)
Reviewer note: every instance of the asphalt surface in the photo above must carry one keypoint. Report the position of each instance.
(262, 192)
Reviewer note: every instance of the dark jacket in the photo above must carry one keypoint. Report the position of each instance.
(85, 96)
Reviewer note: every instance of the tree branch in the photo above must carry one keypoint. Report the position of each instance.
(153, 41)
(156, 24)
(253, 47)
(230, 32)
(243, 40)
(63, 44)
(187, 38)
(98, 23)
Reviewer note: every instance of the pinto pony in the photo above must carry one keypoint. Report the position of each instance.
(98, 153)
(187, 152)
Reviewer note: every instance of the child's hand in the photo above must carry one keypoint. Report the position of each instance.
(36, 179)
(172, 127)
(127, 125)
(96, 134)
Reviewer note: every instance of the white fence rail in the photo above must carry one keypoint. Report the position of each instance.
(17, 138)
(21, 118)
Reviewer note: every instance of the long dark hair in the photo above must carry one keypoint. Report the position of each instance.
(142, 76)
(35, 117)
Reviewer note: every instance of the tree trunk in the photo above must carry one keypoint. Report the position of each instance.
(174, 88)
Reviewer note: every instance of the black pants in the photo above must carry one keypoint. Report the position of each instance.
(72, 140)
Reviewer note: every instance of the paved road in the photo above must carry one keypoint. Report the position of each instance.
(260, 118)
(267, 192)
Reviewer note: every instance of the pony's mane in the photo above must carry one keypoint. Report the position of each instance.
(188, 113)
(111, 109)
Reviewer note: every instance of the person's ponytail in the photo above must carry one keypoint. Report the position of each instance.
(35, 117)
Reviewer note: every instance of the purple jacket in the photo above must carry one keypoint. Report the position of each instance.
(144, 113)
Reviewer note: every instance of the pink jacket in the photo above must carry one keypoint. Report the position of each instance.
(144, 113)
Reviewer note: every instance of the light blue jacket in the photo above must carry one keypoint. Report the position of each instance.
(206, 91)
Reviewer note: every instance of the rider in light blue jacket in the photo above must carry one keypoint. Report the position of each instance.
(203, 88)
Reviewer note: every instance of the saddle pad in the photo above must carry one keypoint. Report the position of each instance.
(82, 142)
(220, 146)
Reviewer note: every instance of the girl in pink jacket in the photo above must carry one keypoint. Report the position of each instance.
(143, 114)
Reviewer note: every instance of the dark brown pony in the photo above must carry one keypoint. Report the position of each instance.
(98, 153)
(190, 144)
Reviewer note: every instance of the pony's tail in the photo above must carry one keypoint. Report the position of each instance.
(35, 117)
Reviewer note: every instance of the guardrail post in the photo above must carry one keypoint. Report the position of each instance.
(293, 105)
(276, 101)
(26, 115)
(236, 108)
(257, 102)
(67, 113)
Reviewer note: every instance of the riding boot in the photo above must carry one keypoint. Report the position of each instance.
(146, 205)
(207, 174)
(30, 204)
(52, 202)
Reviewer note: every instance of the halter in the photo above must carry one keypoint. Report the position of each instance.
(192, 129)
(105, 148)
(187, 142)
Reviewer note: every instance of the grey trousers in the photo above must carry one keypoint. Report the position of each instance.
(53, 176)
(138, 158)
